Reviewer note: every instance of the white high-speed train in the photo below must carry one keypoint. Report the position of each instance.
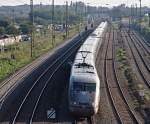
(84, 85)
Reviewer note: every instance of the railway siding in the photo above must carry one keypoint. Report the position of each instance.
(142, 49)
(120, 105)
(124, 82)
(105, 108)
(140, 82)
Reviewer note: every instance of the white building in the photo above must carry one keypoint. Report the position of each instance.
(9, 40)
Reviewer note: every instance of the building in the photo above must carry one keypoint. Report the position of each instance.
(6, 40)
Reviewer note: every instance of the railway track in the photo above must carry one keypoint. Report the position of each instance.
(18, 76)
(30, 95)
(88, 120)
(33, 96)
(145, 43)
(122, 110)
(145, 52)
(139, 60)
(105, 78)
(141, 52)
(142, 42)
(106, 108)
(137, 119)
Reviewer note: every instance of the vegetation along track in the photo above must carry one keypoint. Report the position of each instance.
(122, 110)
(26, 70)
(32, 97)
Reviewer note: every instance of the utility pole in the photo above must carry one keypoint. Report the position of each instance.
(140, 15)
(53, 24)
(32, 28)
(149, 18)
(13, 11)
(85, 17)
(136, 11)
(131, 14)
(76, 8)
(66, 19)
(41, 5)
(76, 12)
(130, 18)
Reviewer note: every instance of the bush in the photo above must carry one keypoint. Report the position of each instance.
(121, 54)
(128, 75)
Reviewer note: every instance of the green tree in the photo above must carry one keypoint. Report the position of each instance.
(25, 28)
(4, 23)
(11, 30)
(2, 30)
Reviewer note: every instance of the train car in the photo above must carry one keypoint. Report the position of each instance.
(84, 85)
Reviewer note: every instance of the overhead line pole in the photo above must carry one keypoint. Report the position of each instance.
(76, 12)
(130, 19)
(76, 8)
(13, 17)
(85, 17)
(149, 19)
(131, 14)
(136, 11)
(53, 24)
(32, 28)
(140, 15)
(66, 19)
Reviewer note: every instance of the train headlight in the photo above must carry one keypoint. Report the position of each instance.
(74, 103)
(93, 104)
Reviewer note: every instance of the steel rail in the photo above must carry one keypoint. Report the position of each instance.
(107, 87)
(57, 60)
(131, 112)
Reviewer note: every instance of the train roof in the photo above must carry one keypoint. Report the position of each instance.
(84, 78)
(84, 63)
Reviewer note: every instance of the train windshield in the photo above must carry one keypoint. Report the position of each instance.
(90, 87)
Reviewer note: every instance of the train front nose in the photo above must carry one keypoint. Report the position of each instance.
(82, 104)
(82, 110)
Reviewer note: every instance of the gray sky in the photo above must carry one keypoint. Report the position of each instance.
(92, 2)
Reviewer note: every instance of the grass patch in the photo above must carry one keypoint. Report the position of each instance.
(21, 51)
